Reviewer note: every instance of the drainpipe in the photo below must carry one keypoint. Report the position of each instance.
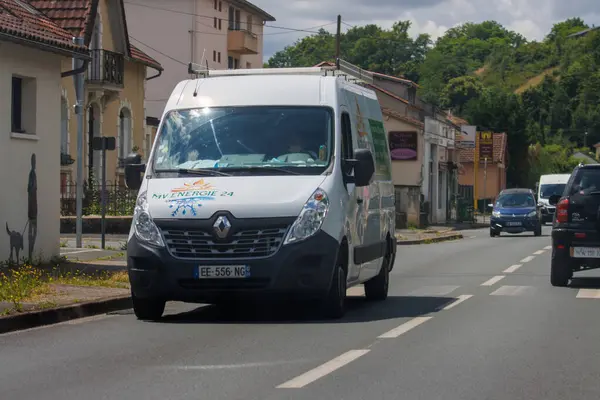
(154, 76)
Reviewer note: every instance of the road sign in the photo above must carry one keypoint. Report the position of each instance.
(104, 144)
(486, 146)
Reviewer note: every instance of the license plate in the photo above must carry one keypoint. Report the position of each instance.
(223, 271)
(513, 223)
(585, 252)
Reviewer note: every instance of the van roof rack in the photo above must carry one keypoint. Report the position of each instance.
(341, 68)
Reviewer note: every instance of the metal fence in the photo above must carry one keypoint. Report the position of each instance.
(120, 201)
(464, 204)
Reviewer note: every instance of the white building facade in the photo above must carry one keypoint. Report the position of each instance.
(220, 34)
(439, 176)
(30, 133)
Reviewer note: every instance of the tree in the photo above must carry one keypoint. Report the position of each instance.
(459, 91)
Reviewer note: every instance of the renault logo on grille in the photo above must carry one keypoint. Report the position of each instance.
(221, 227)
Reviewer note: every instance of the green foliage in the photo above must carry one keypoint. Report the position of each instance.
(544, 95)
(390, 51)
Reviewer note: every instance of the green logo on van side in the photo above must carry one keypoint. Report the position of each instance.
(381, 147)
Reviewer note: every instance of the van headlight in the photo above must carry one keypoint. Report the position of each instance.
(145, 228)
(496, 214)
(532, 214)
(310, 219)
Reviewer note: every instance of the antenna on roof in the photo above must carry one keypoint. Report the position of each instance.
(198, 80)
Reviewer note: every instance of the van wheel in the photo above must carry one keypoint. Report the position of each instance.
(376, 289)
(148, 309)
(335, 302)
(560, 272)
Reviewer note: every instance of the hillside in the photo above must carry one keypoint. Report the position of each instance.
(545, 92)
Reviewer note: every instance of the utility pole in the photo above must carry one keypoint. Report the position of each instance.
(79, 82)
(338, 38)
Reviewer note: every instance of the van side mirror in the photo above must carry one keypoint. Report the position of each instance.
(554, 199)
(364, 167)
(133, 171)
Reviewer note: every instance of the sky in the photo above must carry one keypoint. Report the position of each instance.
(531, 18)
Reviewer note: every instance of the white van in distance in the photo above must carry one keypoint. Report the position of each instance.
(547, 186)
(263, 182)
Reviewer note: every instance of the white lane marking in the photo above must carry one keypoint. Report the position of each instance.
(356, 291)
(511, 290)
(493, 280)
(231, 366)
(64, 253)
(548, 248)
(512, 268)
(537, 253)
(322, 370)
(588, 294)
(434, 290)
(527, 259)
(405, 327)
(472, 237)
(460, 299)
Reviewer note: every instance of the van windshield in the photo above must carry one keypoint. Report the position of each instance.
(515, 200)
(293, 139)
(551, 189)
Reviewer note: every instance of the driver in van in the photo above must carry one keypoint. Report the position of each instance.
(298, 145)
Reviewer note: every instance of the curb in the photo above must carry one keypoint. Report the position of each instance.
(430, 240)
(34, 319)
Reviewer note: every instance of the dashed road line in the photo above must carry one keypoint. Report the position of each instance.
(493, 280)
(537, 253)
(588, 294)
(548, 248)
(511, 290)
(323, 370)
(405, 327)
(527, 259)
(459, 299)
(512, 268)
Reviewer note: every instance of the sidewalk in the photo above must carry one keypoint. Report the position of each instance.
(433, 234)
(85, 282)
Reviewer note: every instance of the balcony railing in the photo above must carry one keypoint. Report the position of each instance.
(242, 42)
(106, 67)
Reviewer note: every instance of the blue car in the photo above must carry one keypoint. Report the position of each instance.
(516, 211)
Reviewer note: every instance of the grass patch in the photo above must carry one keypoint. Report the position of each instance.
(30, 285)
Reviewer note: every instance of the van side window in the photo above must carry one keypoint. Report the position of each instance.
(347, 150)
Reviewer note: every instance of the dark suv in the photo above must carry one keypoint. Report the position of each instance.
(576, 226)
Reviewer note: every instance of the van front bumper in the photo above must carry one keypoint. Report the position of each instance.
(304, 268)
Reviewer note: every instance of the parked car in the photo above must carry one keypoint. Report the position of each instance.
(575, 231)
(515, 211)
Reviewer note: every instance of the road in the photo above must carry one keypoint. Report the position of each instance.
(470, 320)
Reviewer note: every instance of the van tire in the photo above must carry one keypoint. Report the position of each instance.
(148, 309)
(334, 306)
(376, 289)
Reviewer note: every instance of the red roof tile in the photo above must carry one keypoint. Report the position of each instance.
(144, 58)
(397, 115)
(78, 16)
(500, 146)
(22, 21)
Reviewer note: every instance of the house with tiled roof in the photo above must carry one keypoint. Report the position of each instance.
(33, 50)
(423, 136)
(492, 172)
(115, 82)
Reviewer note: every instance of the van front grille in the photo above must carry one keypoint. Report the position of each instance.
(200, 244)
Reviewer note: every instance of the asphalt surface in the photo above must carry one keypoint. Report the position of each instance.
(456, 326)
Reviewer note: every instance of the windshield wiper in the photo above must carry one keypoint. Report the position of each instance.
(195, 171)
(255, 169)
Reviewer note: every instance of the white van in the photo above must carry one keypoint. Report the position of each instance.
(547, 186)
(260, 182)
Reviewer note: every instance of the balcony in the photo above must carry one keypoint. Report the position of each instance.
(240, 41)
(106, 68)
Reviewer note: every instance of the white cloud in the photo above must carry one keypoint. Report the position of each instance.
(531, 18)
